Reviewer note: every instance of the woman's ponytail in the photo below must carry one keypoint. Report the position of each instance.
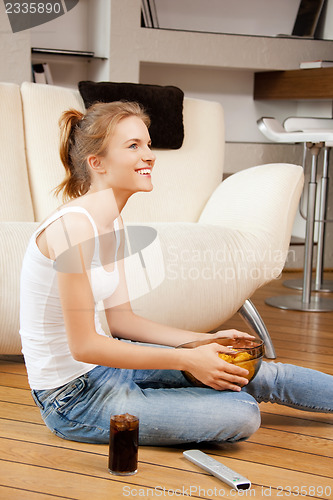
(77, 178)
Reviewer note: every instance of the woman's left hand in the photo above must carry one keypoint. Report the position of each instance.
(230, 334)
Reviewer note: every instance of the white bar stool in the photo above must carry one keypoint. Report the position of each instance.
(314, 140)
(304, 124)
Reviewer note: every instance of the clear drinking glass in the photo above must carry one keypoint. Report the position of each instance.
(123, 445)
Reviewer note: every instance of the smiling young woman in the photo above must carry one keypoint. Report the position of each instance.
(79, 376)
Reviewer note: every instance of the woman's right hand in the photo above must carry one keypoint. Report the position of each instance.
(204, 364)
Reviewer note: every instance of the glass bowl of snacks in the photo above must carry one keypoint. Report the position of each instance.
(245, 353)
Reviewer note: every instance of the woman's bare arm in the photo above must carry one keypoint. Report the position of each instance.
(88, 346)
(124, 323)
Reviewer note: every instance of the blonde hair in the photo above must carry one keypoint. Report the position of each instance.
(82, 135)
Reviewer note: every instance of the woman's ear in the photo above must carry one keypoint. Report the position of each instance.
(96, 164)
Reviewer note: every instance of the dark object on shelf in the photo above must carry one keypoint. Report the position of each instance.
(41, 73)
(149, 14)
(62, 52)
(307, 18)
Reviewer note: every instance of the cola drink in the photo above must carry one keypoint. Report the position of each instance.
(123, 445)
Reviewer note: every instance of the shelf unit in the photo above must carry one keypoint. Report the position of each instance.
(295, 84)
(112, 30)
(75, 45)
(185, 48)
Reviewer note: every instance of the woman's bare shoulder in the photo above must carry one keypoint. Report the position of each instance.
(71, 230)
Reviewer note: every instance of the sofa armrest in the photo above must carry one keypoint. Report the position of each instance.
(258, 200)
(14, 241)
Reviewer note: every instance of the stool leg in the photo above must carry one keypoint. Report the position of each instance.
(306, 302)
(319, 284)
(310, 220)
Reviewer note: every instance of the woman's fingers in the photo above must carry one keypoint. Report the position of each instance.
(225, 381)
(233, 334)
(216, 372)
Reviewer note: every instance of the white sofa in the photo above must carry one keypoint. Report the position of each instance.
(216, 242)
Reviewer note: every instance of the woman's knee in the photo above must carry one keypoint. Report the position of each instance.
(244, 419)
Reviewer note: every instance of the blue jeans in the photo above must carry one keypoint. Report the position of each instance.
(172, 411)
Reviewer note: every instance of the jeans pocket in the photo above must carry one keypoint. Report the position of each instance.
(68, 397)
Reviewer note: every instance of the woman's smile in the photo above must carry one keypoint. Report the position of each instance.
(144, 171)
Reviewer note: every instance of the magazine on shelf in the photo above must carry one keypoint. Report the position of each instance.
(41, 73)
(307, 18)
(316, 64)
(149, 14)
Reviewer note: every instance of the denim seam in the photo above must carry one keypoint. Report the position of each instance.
(74, 423)
(297, 405)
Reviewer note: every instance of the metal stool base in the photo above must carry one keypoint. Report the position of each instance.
(294, 303)
(326, 285)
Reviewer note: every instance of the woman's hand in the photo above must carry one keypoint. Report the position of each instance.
(205, 364)
(231, 334)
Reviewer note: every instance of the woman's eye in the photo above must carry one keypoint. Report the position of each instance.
(133, 146)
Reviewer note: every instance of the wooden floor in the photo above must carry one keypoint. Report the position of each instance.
(290, 455)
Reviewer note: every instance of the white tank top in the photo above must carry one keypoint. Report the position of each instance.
(44, 341)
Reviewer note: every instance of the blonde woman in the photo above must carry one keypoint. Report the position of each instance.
(78, 375)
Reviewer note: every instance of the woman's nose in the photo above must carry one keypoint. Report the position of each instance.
(149, 156)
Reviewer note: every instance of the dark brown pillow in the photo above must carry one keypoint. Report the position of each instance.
(164, 105)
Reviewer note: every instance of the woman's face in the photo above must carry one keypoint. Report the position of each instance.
(129, 160)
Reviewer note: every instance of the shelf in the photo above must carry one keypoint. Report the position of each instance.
(245, 52)
(295, 84)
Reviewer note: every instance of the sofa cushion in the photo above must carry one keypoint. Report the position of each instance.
(15, 199)
(42, 106)
(14, 241)
(164, 105)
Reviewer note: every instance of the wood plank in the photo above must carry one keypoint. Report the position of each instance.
(293, 460)
(40, 434)
(320, 359)
(15, 395)
(60, 483)
(20, 412)
(274, 438)
(296, 425)
(11, 367)
(17, 380)
(321, 418)
(295, 346)
(9, 493)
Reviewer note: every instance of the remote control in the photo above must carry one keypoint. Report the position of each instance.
(217, 469)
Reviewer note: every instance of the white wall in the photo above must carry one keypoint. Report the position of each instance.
(84, 28)
(251, 17)
(14, 52)
(233, 89)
